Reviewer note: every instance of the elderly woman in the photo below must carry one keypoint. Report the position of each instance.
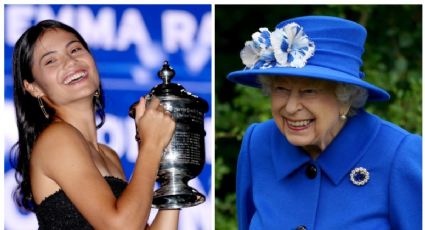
(322, 162)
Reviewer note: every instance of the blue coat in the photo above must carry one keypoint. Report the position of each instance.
(280, 187)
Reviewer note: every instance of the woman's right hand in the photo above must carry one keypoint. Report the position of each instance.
(154, 124)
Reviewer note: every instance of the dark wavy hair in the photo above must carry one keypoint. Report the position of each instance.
(29, 117)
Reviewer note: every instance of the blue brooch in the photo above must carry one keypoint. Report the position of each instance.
(359, 176)
(288, 46)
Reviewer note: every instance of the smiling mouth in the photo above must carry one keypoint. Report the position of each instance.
(74, 78)
(298, 125)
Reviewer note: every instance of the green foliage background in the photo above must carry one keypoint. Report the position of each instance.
(392, 60)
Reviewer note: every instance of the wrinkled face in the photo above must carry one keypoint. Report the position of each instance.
(306, 111)
(64, 71)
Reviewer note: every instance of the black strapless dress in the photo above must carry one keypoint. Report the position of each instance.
(57, 211)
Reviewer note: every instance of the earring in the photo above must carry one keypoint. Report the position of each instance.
(40, 102)
(97, 102)
(344, 116)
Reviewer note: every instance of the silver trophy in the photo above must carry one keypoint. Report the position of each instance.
(184, 158)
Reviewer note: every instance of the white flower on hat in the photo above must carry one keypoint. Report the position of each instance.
(285, 47)
(291, 46)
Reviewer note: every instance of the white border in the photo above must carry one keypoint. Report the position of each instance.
(213, 116)
(2, 113)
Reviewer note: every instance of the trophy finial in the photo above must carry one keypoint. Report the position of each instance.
(166, 73)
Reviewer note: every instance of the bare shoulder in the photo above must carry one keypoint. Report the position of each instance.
(58, 135)
(54, 145)
(58, 154)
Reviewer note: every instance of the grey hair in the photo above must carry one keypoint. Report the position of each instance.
(354, 95)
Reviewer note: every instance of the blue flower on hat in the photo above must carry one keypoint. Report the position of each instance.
(288, 46)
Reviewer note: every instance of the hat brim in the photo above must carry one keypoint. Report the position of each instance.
(249, 77)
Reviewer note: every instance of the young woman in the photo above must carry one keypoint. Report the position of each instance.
(65, 176)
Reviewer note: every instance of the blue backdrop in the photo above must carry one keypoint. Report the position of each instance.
(129, 44)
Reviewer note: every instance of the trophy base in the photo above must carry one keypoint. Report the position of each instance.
(183, 198)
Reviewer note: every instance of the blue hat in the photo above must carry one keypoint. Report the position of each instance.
(319, 47)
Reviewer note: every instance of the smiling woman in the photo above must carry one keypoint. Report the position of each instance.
(322, 154)
(324, 107)
(64, 175)
(306, 112)
(62, 67)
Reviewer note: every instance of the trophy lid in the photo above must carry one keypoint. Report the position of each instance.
(168, 89)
